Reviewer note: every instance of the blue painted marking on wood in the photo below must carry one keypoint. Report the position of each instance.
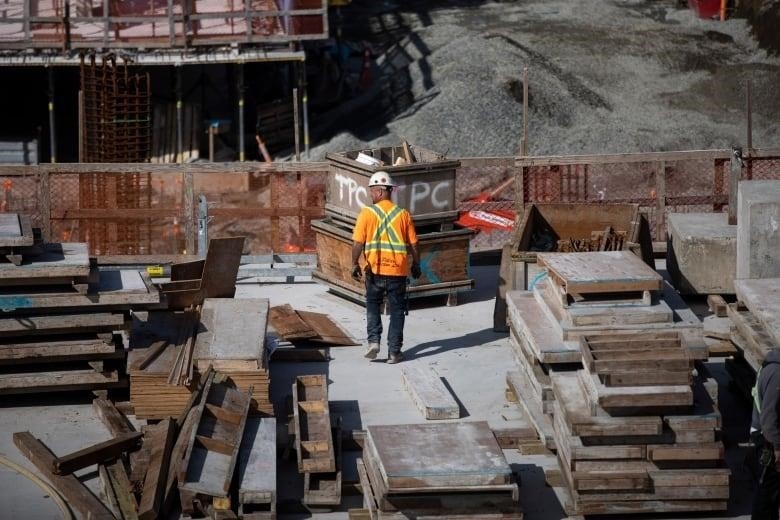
(425, 266)
(10, 303)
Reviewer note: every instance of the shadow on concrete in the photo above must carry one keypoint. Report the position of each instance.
(472, 339)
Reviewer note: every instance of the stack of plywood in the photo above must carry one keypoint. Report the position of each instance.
(638, 449)
(231, 338)
(227, 334)
(157, 340)
(426, 188)
(754, 327)
(61, 315)
(633, 429)
(590, 293)
(408, 471)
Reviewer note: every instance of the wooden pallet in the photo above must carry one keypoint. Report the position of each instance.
(643, 359)
(212, 450)
(311, 421)
(603, 272)
(322, 491)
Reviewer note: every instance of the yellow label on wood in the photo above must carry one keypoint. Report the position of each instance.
(154, 270)
(221, 503)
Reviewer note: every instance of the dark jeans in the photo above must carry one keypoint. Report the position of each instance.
(767, 499)
(394, 287)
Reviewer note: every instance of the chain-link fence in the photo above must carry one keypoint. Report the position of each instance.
(153, 209)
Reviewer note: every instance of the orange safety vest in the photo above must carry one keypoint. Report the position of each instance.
(385, 229)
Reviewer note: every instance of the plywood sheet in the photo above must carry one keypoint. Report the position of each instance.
(419, 455)
(57, 259)
(232, 329)
(600, 272)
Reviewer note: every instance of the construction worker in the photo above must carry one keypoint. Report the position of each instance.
(384, 233)
(765, 433)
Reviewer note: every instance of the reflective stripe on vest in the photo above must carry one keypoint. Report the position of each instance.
(386, 238)
(754, 391)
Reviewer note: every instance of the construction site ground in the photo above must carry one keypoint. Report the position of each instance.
(458, 341)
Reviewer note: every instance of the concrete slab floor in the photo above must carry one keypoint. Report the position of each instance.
(458, 342)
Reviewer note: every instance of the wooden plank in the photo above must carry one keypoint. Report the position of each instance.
(59, 324)
(600, 272)
(541, 421)
(328, 331)
(528, 317)
(116, 484)
(428, 392)
(113, 419)
(77, 494)
(102, 452)
(232, 329)
(221, 267)
(67, 259)
(206, 470)
(635, 397)
(149, 355)
(717, 305)
(20, 351)
(257, 464)
(59, 381)
(323, 490)
(289, 324)
(160, 440)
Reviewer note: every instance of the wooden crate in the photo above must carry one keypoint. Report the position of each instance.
(444, 259)
(572, 221)
(426, 187)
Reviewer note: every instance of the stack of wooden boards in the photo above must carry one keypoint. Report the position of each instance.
(226, 334)
(606, 374)
(317, 444)
(62, 315)
(755, 327)
(408, 471)
(426, 188)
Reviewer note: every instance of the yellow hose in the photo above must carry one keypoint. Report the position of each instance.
(45, 486)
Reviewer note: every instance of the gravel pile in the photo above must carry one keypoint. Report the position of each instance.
(605, 77)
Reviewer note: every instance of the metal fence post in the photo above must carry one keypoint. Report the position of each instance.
(203, 225)
(735, 173)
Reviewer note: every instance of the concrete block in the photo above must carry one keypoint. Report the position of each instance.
(758, 229)
(701, 253)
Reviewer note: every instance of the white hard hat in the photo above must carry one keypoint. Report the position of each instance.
(381, 179)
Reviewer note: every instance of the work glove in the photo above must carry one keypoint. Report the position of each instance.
(416, 271)
(357, 273)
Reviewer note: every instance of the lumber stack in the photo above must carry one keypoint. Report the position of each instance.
(170, 350)
(62, 315)
(755, 327)
(231, 338)
(589, 294)
(407, 471)
(426, 188)
(638, 448)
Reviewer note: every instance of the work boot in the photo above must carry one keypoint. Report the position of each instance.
(371, 351)
(395, 358)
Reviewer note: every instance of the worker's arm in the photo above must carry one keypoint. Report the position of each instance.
(357, 250)
(412, 248)
(770, 409)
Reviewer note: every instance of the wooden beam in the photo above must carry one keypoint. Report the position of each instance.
(77, 494)
(735, 174)
(161, 439)
(101, 452)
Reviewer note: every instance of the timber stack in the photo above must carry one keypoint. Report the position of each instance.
(608, 366)
(426, 188)
(63, 318)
